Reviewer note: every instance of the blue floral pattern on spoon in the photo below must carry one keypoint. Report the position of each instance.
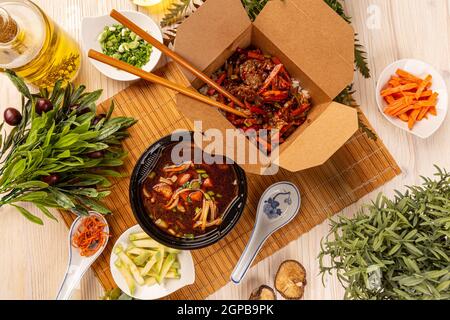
(272, 206)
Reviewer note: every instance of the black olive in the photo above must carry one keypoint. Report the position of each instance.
(80, 111)
(43, 105)
(95, 154)
(12, 116)
(98, 118)
(51, 180)
(83, 111)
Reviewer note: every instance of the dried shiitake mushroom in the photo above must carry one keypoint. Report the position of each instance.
(263, 293)
(290, 280)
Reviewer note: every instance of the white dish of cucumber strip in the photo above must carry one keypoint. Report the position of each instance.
(144, 269)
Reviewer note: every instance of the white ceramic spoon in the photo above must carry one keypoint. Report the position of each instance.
(278, 206)
(77, 264)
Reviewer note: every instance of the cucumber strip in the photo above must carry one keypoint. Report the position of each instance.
(139, 251)
(127, 275)
(150, 263)
(173, 275)
(150, 281)
(133, 268)
(147, 243)
(138, 236)
(165, 267)
(141, 259)
(170, 250)
(161, 261)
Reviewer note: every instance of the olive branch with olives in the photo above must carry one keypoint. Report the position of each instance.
(60, 153)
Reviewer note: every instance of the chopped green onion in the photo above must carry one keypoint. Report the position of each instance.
(122, 44)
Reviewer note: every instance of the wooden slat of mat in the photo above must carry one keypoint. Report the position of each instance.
(359, 167)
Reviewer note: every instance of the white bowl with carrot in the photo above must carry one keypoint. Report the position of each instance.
(413, 96)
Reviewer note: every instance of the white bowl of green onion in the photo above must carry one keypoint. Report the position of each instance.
(106, 35)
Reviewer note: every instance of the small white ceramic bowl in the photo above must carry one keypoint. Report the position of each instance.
(187, 271)
(427, 127)
(91, 27)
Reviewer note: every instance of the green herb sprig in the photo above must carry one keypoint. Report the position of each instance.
(179, 10)
(395, 249)
(70, 143)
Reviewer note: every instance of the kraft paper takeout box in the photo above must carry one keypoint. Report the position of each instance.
(315, 45)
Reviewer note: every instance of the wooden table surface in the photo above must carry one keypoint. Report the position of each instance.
(33, 258)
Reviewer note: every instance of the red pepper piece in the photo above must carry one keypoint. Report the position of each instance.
(284, 83)
(257, 110)
(285, 74)
(275, 95)
(219, 81)
(301, 110)
(271, 77)
(255, 55)
(276, 60)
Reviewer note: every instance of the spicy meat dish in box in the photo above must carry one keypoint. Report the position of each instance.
(273, 99)
(316, 50)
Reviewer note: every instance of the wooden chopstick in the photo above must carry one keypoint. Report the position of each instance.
(164, 82)
(176, 57)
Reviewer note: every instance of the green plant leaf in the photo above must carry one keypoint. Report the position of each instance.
(32, 184)
(46, 212)
(67, 141)
(62, 199)
(95, 206)
(19, 84)
(27, 214)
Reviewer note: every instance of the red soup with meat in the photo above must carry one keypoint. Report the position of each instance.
(188, 199)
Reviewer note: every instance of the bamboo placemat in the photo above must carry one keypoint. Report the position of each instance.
(359, 167)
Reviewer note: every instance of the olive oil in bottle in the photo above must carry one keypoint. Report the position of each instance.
(35, 47)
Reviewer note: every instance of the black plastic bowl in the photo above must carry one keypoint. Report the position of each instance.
(144, 166)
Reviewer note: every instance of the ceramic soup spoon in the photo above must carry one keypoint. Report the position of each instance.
(77, 264)
(278, 206)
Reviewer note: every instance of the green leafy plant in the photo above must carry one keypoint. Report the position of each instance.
(60, 153)
(178, 11)
(254, 7)
(346, 97)
(395, 249)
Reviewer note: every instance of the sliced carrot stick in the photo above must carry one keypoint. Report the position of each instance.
(398, 105)
(423, 113)
(413, 118)
(394, 83)
(406, 75)
(431, 102)
(425, 83)
(405, 87)
(425, 94)
(389, 99)
(404, 117)
(433, 111)
(406, 109)
(427, 103)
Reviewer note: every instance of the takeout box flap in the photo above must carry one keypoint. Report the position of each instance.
(314, 37)
(321, 139)
(203, 36)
